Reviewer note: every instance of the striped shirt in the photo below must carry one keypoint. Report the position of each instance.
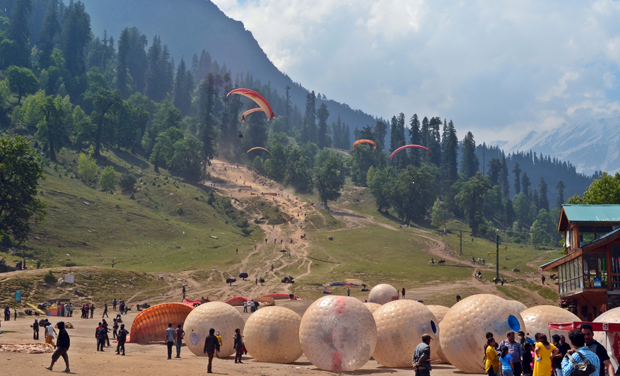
(567, 365)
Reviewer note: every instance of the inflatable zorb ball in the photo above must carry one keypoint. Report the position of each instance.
(611, 316)
(217, 315)
(338, 333)
(382, 294)
(464, 327)
(372, 307)
(439, 312)
(272, 335)
(537, 320)
(400, 326)
(517, 305)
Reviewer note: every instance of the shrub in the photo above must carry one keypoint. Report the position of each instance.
(49, 277)
(107, 181)
(127, 182)
(87, 168)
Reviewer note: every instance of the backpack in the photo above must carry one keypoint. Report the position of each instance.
(583, 368)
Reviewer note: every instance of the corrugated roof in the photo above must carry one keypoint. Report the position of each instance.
(592, 213)
(552, 261)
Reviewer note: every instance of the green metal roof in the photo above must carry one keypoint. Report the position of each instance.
(592, 213)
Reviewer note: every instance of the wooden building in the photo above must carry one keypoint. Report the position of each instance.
(589, 273)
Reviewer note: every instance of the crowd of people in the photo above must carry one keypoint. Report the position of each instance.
(522, 356)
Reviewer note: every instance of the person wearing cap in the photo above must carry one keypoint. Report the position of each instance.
(422, 357)
(61, 347)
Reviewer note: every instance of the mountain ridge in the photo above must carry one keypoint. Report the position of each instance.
(226, 40)
(590, 145)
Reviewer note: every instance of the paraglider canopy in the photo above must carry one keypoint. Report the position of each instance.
(258, 99)
(249, 112)
(409, 147)
(259, 148)
(364, 142)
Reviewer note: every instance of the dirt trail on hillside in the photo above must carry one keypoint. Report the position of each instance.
(288, 254)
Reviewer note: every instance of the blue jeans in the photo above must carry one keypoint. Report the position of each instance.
(507, 372)
(179, 343)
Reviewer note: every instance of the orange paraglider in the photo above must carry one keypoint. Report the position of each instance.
(258, 99)
(149, 325)
(259, 148)
(249, 112)
(364, 142)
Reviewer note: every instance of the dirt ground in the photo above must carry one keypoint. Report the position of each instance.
(151, 359)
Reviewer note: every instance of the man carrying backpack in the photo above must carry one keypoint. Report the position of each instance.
(580, 361)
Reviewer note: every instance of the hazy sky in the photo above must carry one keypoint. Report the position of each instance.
(498, 68)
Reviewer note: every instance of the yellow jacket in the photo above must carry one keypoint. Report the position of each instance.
(492, 360)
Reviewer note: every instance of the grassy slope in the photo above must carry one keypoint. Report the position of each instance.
(148, 233)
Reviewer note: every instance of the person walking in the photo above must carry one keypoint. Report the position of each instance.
(543, 278)
(15, 314)
(506, 359)
(245, 306)
(422, 357)
(35, 330)
(544, 352)
(579, 352)
(179, 337)
(63, 346)
(49, 334)
(183, 292)
(556, 362)
(122, 337)
(114, 328)
(105, 311)
(348, 291)
(598, 349)
(212, 344)
(100, 335)
(114, 305)
(528, 359)
(107, 330)
(238, 344)
(515, 351)
(92, 310)
(403, 292)
(170, 340)
(491, 364)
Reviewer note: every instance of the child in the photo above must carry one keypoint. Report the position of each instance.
(527, 359)
(219, 341)
(506, 360)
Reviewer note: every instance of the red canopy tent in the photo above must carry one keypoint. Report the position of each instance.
(611, 332)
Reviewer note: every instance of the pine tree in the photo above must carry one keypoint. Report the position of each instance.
(76, 35)
(183, 89)
(504, 178)
(379, 132)
(434, 141)
(19, 33)
(122, 71)
(322, 136)
(309, 126)
(543, 201)
(207, 132)
(525, 184)
(517, 171)
(414, 137)
(137, 60)
(288, 119)
(560, 187)
(469, 160)
(154, 74)
(346, 137)
(51, 27)
(495, 167)
(449, 158)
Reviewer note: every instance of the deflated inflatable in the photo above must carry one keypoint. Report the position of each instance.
(151, 324)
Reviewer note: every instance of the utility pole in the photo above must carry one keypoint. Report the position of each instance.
(497, 256)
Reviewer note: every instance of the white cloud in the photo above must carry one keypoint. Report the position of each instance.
(494, 67)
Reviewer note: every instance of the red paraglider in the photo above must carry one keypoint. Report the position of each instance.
(249, 112)
(409, 147)
(258, 99)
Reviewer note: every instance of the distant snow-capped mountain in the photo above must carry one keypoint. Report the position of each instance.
(590, 146)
